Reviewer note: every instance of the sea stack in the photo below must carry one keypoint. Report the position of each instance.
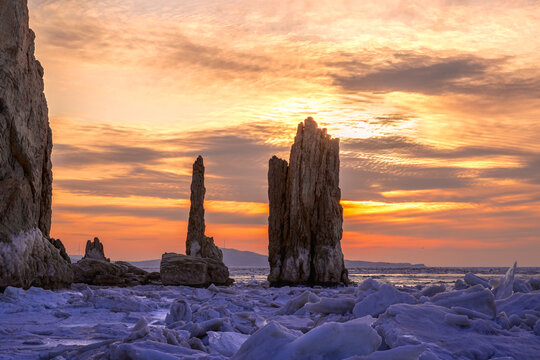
(27, 257)
(197, 243)
(203, 263)
(306, 219)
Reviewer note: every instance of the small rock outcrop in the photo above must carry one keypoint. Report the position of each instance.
(95, 269)
(306, 218)
(178, 269)
(57, 243)
(197, 243)
(203, 265)
(94, 250)
(27, 258)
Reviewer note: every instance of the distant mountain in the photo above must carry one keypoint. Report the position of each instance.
(75, 258)
(369, 264)
(239, 258)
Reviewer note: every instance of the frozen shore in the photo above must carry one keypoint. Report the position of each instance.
(471, 319)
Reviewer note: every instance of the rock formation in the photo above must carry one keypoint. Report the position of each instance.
(58, 244)
(94, 250)
(306, 218)
(177, 269)
(27, 258)
(95, 269)
(203, 265)
(197, 243)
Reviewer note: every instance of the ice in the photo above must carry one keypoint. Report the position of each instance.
(472, 280)
(331, 306)
(426, 324)
(226, 343)
(505, 286)
(407, 352)
(180, 311)
(376, 303)
(266, 343)
(427, 321)
(328, 341)
(296, 303)
(476, 298)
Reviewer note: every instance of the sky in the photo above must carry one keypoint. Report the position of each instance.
(436, 104)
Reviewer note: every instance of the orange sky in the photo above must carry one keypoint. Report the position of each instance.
(437, 104)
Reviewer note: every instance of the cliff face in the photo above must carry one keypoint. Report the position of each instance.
(26, 256)
(306, 218)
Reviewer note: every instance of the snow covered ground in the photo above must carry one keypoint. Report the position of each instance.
(474, 318)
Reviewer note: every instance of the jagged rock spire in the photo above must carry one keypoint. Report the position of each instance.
(306, 218)
(197, 243)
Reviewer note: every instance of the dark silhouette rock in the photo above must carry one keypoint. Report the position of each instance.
(95, 269)
(58, 244)
(306, 218)
(178, 269)
(94, 250)
(27, 258)
(197, 243)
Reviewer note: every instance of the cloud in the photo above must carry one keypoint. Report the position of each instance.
(437, 75)
(77, 156)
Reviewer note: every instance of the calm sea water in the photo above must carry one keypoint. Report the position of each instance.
(400, 276)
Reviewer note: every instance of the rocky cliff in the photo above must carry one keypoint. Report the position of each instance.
(26, 256)
(306, 218)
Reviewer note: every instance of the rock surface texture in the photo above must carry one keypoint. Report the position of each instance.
(177, 269)
(197, 243)
(95, 269)
(306, 218)
(27, 258)
(94, 250)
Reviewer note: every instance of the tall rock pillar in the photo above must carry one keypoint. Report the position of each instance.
(197, 243)
(306, 218)
(27, 258)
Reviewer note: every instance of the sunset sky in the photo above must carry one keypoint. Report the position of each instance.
(436, 103)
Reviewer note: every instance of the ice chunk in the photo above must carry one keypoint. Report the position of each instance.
(455, 319)
(369, 284)
(179, 311)
(140, 330)
(432, 290)
(331, 306)
(151, 350)
(226, 343)
(200, 329)
(328, 341)
(407, 352)
(505, 286)
(519, 303)
(296, 303)
(534, 282)
(476, 298)
(334, 341)
(521, 286)
(266, 343)
(379, 301)
(537, 328)
(426, 324)
(472, 280)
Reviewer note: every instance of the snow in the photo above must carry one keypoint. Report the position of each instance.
(371, 320)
